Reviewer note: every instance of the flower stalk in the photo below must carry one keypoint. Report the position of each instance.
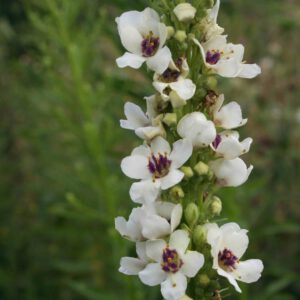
(190, 150)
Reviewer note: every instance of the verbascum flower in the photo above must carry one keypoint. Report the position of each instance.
(156, 166)
(152, 221)
(228, 146)
(143, 36)
(172, 264)
(232, 172)
(196, 128)
(228, 244)
(226, 59)
(144, 125)
(173, 83)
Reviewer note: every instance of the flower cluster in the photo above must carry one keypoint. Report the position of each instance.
(191, 148)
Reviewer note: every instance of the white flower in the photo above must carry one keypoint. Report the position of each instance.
(172, 264)
(228, 146)
(152, 221)
(173, 85)
(156, 166)
(185, 12)
(144, 125)
(226, 59)
(232, 172)
(143, 35)
(229, 116)
(228, 244)
(196, 128)
(212, 28)
(131, 265)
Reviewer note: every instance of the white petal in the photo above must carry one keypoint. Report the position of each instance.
(179, 240)
(131, 39)
(215, 11)
(160, 86)
(121, 226)
(226, 67)
(184, 88)
(131, 266)
(206, 134)
(192, 263)
(231, 172)
(249, 71)
(230, 278)
(155, 227)
(173, 177)
(174, 287)
(152, 275)
(155, 248)
(141, 251)
(142, 150)
(136, 167)
(249, 271)
(176, 217)
(145, 191)
(160, 61)
(130, 60)
(182, 151)
(149, 132)
(160, 146)
(135, 116)
(164, 209)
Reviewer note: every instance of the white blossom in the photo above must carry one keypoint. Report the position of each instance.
(145, 126)
(228, 146)
(131, 265)
(143, 36)
(185, 12)
(226, 59)
(228, 244)
(156, 166)
(173, 83)
(172, 264)
(229, 116)
(196, 128)
(151, 221)
(212, 28)
(232, 172)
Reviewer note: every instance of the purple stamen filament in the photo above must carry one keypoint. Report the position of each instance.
(212, 57)
(171, 262)
(150, 45)
(217, 141)
(227, 260)
(159, 165)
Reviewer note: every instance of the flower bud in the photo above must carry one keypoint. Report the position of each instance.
(185, 297)
(180, 36)
(170, 119)
(201, 168)
(199, 235)
(203, 280)
(216, 206)
(176, 100)
(191, 214)
(188, 172)
(171, 31)
(177, 192)
(185, 12)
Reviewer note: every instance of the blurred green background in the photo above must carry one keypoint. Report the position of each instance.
(60, 183)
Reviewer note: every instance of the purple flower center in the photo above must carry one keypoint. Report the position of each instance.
(150, 45)
(217, 141)
(159, 165)
(212, 57)
(170, 75)
(171, 262)
(227, 260)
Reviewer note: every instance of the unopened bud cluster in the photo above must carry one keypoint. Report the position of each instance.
(190, 148)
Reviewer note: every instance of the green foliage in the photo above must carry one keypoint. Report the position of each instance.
(60, 182)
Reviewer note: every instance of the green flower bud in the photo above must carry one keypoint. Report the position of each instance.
(188, 172)
(185, 297)
(201, 168)
(211, 82)
(199, 235)
(170, 119)
(177, 192)
(216, 206)
(180, 36)
(176, 100)
(203, 280)
(191, 214)
(171, 31)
